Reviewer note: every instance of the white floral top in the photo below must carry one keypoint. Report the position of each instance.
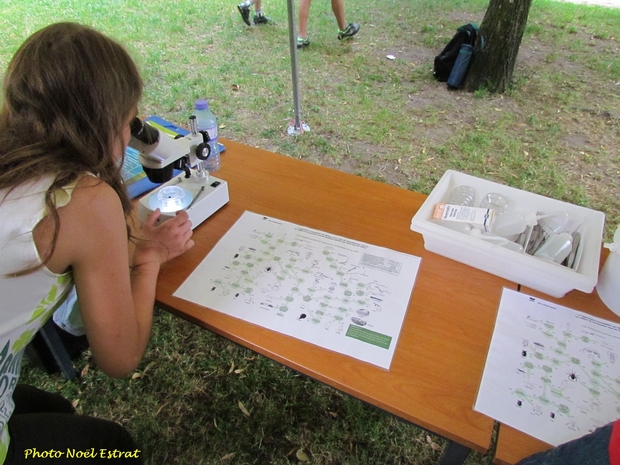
(27, 301)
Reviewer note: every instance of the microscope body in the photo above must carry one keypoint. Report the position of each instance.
(196, 191)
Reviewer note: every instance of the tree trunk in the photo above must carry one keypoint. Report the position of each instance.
(502, 29)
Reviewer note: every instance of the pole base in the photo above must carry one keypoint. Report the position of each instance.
(298, 130)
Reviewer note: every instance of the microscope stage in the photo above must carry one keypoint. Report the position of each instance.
(200, 197)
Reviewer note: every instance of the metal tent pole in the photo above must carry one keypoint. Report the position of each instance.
(298, 126)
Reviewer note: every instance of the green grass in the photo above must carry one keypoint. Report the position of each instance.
(555, 132)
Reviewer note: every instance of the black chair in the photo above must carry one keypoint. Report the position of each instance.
(48, 351)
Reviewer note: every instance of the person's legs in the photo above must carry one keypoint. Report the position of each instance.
(29, 399)
(244, 10)
(304, 12)
(70, 437)
(44, 423)
(338, 9)
(591, 449)
(259, 17)
(344, 29)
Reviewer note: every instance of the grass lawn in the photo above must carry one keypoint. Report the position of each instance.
(555, 132)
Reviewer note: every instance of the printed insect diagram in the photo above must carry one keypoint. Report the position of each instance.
(551, 372)
(337, 293)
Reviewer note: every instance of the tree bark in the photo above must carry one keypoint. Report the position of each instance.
(502, 29)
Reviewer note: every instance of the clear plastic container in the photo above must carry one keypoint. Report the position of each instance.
(513, 222)
(206, 121)
(608, 286)
(556, 248)
(462, 195)
(497, 240)
(495, 202)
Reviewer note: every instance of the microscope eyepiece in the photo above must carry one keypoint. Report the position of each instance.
(144, 132)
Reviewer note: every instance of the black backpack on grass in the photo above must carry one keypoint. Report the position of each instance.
(444, 62)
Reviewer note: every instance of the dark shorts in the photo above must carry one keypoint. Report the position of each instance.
(45, 426)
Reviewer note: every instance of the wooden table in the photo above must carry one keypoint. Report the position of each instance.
(514, 445)
(441, 351)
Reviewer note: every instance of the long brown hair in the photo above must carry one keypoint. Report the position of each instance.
(68, 92)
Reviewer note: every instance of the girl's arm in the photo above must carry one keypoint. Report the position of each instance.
(116, 301)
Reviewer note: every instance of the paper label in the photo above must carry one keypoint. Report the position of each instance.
(481, 218)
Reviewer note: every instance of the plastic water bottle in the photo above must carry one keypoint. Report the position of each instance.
(206, 121)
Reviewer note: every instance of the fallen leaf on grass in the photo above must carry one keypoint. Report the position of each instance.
(302, 456)
(435, 446)
(432, 443)
(243, 409)
(228, 456)
(148, 367)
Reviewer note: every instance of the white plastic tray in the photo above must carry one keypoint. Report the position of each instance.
(542, 275)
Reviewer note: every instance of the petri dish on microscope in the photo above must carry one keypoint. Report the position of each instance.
(170, 199)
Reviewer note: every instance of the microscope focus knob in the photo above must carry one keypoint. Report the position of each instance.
(203, 151)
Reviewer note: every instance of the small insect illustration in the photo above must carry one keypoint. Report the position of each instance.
(572, 376)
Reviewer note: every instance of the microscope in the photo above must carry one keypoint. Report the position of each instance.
(195, 190)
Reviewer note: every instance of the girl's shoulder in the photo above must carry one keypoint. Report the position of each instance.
(90, 197)
(92, 219)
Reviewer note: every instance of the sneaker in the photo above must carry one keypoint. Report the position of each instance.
(350, 31)
(302, 43)
(261, 19)
(244, 9)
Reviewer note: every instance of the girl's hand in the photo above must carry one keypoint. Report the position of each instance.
(163, 242)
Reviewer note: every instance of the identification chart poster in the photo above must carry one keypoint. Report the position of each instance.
(337, 293)
(551, 372)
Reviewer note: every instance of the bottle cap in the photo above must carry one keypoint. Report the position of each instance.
(201, 104)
